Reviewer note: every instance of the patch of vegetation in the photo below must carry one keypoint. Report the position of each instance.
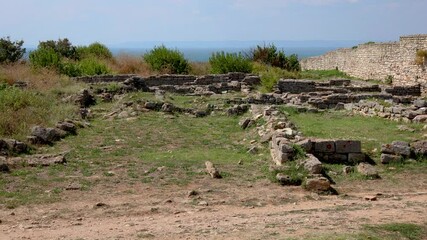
(10, 51)
(271, 56)
(421, 57)
(389, 80)
(323, 74)
(20, 109)
(340, 125)
(222, 62)
(67, 59)
(167, 60)
(271, 75)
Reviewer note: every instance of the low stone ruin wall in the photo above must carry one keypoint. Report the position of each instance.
(416, 112)
(327, 151)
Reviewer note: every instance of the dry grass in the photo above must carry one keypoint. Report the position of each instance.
(37, 79)
(127, 64)
(200, 68)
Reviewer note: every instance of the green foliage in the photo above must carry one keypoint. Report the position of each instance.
(46, 58)
(271, 75)
(66, 59)
(167, 60)
(10, 51)
(271, 56)
(324, 74)
(92, 66)
(389, 79)
(397, 231)
(222, 62)
(97, 50)
(62, 47)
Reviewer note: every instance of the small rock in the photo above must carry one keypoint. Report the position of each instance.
(368, 170)
(347, 170)
(100, 204)
(203, 203)
(287, 180)
(318, 184)
(192, 193)
(370, 198)
(212, 170)
(390, 158)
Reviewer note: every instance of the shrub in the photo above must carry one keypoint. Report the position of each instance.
(62, 47)
(10, 51)
(421, 57)
(271, 75)
(45, 57)
(125, 64)
(271, 56)
(96, 50)
(229, 62)
(167, 60)
(93, 66)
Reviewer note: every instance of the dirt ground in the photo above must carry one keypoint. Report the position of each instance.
(216, 210)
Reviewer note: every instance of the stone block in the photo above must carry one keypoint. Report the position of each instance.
(324, 146)
(397, 148)
(356, 158)
(317, 184)
(390, 158)
(306, 144)
(348, 146)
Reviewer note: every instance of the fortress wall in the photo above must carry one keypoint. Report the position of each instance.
(377, 61)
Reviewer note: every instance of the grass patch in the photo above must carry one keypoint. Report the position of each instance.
(371, 131)
(323, 74)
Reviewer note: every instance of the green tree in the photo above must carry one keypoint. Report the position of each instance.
(11, 51)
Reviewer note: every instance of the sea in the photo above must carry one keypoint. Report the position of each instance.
(203, 54)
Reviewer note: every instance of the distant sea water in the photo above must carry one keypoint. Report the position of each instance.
(203, 54)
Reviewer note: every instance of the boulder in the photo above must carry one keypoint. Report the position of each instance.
(317, 184)
(85, 99)
(312, 164)
(397, 148)
(420, 103)
(420, 118)
(390, 158)
(367, 170)
(419, 148)
(45, 135)
(67, 127)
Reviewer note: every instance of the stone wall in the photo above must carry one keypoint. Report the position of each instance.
(395, 60)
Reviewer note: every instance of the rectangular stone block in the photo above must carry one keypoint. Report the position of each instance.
(285, 148)
(356, 158)
(324, 146)
(348, 146)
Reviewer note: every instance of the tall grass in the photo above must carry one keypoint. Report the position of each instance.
(127, 64)
(21, 109)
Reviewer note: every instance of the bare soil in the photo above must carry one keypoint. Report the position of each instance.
(218, 210)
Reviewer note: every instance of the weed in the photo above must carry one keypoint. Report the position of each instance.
(222, 62)
(167, 60)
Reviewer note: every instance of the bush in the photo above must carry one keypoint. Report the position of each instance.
(271, 75)
(45, 57)
(62, 47)
(229, 62)
(166, 60)
(93, 66)
(10, 51)
(271, 56)
(96, 50)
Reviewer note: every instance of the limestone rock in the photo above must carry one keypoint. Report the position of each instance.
(317, 184)
(287, 180)
(85, 99)
(324, 146)
(390, 158)
(420, 118)
(420, 147)
(367, 170)
(45, 135)
(67, 126)
(212, 170)
(397, 148)
(348, 146)
(312, 164)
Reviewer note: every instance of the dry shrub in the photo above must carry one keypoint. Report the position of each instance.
(38, 79)
(127, 64)
(200, 68)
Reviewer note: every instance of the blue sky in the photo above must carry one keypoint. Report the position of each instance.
(120, 21)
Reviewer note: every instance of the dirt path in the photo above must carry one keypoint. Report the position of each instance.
(216, 211)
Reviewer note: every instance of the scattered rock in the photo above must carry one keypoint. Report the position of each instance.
(368, 170)
(203, 203)
(405, 128)
(41, 135)
(85, 99)
(397, 148)
(192, 193)
(100, 205)
(212, 170)
(317, 184)
(420, 148)
(370, 198)
(347, 170)
(312, 164)
(390, 158)
(73, 186)
(287, 180)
